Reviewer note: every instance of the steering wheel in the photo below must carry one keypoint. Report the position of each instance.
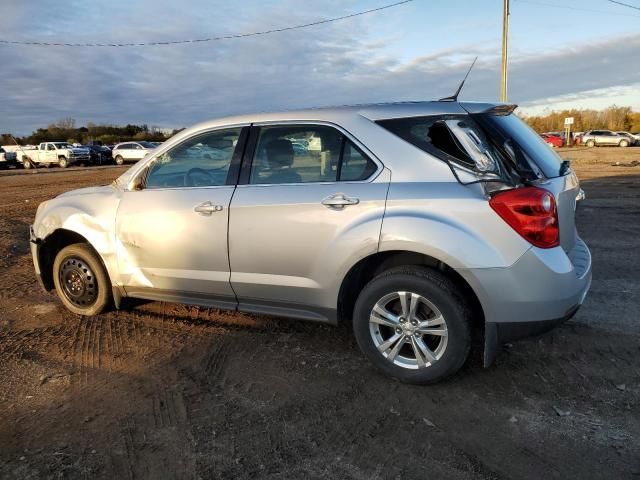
(188, 180)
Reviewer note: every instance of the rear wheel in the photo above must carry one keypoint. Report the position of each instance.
(413, 325)
(80, 280)
(27, 164)
(119, 160)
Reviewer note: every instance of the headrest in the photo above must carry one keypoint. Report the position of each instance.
(279, 153)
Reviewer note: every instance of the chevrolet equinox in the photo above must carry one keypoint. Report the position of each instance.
(415, 222)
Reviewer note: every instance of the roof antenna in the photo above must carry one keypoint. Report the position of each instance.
(454, 97)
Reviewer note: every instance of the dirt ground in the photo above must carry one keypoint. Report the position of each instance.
(160, 390)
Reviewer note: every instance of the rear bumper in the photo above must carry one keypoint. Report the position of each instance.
(542, 289)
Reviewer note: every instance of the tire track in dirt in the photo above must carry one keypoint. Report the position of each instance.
(86, 349)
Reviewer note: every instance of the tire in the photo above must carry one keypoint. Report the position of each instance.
(448, 350)
(62, 162)
(119, 160)
(624, 143)
(590, 143)
(81, 281)
(27, 164)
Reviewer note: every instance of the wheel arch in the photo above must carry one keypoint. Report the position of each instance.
(52, 244)
(372, 265)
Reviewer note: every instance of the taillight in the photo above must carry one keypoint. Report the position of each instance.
(530, 211)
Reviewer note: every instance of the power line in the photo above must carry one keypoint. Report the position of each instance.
(210, 39)
(578, 9)
(625, 4)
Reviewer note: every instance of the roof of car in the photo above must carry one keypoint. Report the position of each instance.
(372, 111)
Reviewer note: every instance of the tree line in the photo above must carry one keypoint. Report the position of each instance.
(66, 130)
(612, 118)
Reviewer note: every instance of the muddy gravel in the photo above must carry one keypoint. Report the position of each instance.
(160, 390)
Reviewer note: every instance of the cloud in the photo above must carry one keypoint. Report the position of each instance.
(175, 86)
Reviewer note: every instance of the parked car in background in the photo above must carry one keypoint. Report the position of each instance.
(20, 151)
(595, 138)
(54, 153)
(7, 159)
(410, 222)
(99, 154)
(131, 151)
(552, 140)
(633, 139)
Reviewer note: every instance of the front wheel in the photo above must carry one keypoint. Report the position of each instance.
(591, 143)
(80, 279)
(413, 324)
(624, 143)
(62, 162)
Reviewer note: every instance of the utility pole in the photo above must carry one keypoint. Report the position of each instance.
(505, 51)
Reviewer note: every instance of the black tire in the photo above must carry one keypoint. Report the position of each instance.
(62, 162)
(80, 261)
(438, 290)
(27, 164)
(119, 160)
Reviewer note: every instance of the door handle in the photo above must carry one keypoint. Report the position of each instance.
(339, 200)
(207, 208)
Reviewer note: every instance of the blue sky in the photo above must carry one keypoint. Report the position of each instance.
(562, 53)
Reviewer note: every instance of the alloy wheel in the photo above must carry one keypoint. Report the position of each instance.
(408, 330)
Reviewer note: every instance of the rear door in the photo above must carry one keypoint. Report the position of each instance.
(309, 202)
(125, 151)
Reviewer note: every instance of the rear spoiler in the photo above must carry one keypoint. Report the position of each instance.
(489, 108)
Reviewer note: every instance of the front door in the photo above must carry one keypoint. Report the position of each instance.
(172, 232)
(50, 154)
(311, 203)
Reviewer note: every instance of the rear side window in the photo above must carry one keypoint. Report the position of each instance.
(307, 154)
(451, 137)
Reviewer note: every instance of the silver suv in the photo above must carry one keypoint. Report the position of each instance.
(605, 137)
(416, 222)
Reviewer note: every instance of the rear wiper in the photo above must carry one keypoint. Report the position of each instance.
(565, 167)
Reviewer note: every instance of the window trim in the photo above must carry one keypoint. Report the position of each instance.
(234, 165)
(249, 154)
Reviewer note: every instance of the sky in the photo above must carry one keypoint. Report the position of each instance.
(569, 53)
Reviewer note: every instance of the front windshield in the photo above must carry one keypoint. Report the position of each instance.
(524, 147)
(63, 145)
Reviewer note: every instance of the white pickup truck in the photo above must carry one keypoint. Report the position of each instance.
(62, 154)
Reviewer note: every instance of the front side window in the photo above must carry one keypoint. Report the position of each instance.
(200, 161)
